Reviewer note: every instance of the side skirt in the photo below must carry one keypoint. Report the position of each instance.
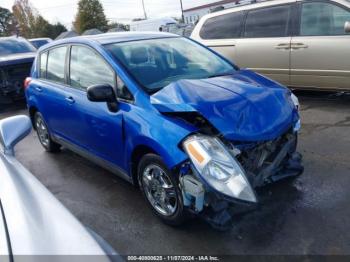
(97, 160)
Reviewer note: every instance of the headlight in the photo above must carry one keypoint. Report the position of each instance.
(295, 101)
(216, 165)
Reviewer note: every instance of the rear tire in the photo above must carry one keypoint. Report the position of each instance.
(44, 134)
(161, 190)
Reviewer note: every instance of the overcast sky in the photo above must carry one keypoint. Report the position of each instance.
(117, 10)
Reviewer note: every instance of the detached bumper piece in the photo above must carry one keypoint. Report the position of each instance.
(263, 162)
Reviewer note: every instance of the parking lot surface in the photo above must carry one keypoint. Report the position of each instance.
(309, 215)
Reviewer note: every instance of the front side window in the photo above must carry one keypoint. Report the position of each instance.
(267, 22)
(155, 63)
(88, 68)
(56, 64)
(323, 19)
(222, 27)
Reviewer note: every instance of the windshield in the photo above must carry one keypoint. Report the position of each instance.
(155, 63)
(9, 46)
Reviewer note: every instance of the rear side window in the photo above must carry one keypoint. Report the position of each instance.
(267, 22)
(55, 64)
(320, 18)
(43, 65)
(222, 27)
(88, 68)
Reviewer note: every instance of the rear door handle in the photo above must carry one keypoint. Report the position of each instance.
(284, 46)
(70, 100)
(38, 88)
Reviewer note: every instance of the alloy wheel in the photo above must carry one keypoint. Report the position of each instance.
(159, 190)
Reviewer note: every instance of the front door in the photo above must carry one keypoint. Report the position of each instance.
(320, 56)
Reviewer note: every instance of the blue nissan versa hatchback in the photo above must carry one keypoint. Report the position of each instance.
(193, 131)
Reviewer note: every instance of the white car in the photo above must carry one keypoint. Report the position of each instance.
(32, 220)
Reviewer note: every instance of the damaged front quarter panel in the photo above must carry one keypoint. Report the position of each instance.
(255, 119)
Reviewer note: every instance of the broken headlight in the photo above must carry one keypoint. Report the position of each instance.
(218, 167)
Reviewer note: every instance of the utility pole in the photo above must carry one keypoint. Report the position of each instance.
(182, 12)
(144, 10)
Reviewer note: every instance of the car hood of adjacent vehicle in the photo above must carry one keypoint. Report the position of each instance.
(243, 106)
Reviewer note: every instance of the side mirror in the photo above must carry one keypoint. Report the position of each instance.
(103, 93)
(12, 130)
(347, 27)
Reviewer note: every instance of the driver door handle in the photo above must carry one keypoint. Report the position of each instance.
(299, 45)
(283, 46)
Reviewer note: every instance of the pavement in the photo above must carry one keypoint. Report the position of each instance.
(308, 215)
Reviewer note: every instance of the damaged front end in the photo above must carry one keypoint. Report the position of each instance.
(246, 137)
(220, 178)
(11, 81)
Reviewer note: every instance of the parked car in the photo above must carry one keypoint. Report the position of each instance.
(32, 220)
(301, 44)
(39, 42)
(16, 58)
(194, 131)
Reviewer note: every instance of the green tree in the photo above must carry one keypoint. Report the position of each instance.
(31, 24)
(25, 16)
(56, 29)
(7, 22)
(90, 15)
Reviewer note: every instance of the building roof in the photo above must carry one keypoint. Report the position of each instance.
(67, 34)
(93, 31)
(218, 3)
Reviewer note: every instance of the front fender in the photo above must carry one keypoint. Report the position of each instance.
(159, 133)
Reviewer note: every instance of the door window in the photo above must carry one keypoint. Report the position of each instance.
(88, 68)
(267, 22)
(222, 26)
(323, 19)
(55, 64)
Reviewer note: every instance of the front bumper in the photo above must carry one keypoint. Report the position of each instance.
(275, 160)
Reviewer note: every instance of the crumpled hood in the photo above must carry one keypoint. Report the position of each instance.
(14, 59)
(243, 107)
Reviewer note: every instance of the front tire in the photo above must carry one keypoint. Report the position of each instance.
(161, 190)
(44, 134)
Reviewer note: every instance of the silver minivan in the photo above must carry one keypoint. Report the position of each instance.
(299, 43)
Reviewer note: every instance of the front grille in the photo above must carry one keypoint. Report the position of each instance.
(262, 159)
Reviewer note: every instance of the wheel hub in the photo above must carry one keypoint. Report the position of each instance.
(159, 190)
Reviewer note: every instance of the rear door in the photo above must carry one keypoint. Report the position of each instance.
(92, 127)
(50, 89)
(320, 56)
(265, 42)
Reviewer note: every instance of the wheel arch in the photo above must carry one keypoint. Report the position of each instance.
(32, 111)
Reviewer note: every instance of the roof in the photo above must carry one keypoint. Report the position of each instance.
(118, 37)
(218, 3)
(41, 38)
(109, 38)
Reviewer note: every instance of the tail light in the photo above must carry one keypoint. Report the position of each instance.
(27, 82)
